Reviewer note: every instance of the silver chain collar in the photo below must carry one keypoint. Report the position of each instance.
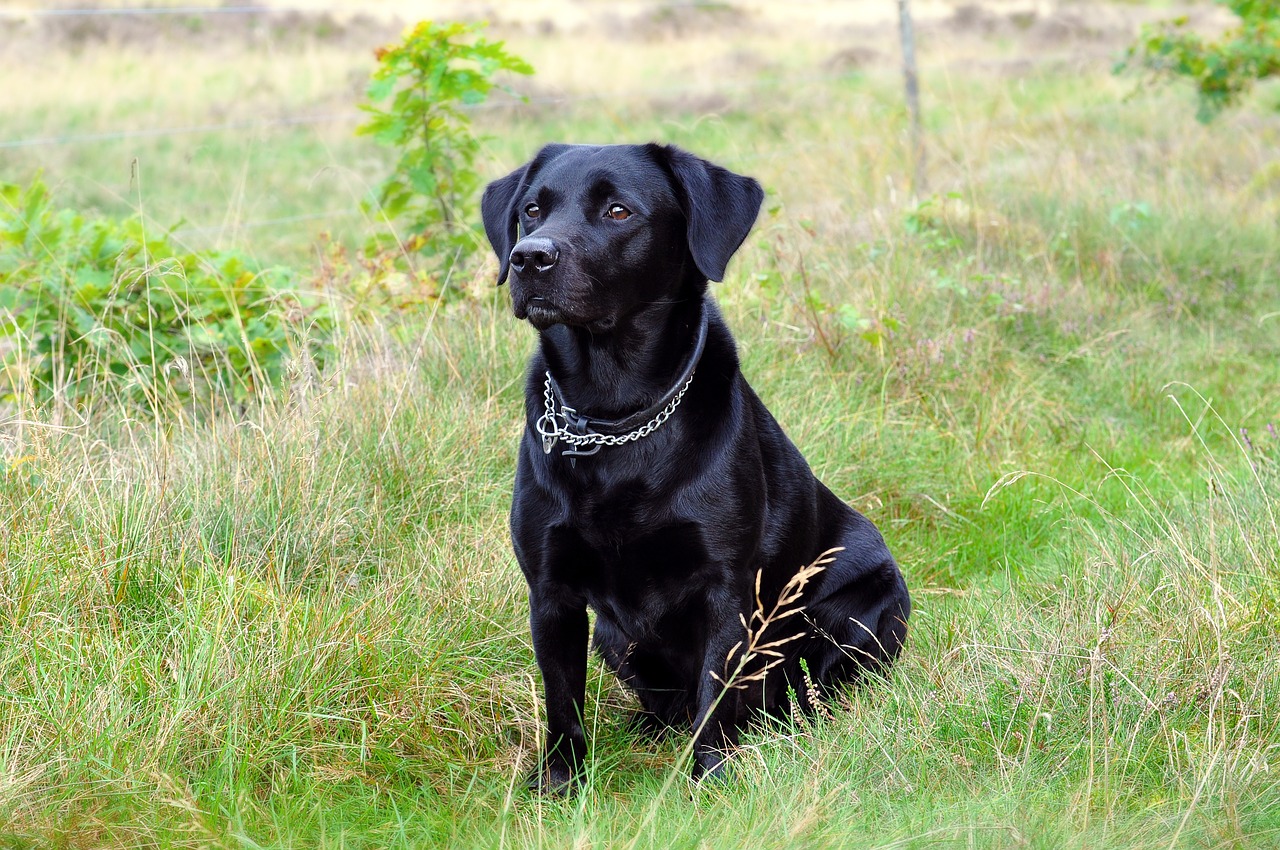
(554, 427)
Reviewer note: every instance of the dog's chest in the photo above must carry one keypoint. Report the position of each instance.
(636, 580)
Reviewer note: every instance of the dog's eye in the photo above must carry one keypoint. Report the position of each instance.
(533, 210)
(618, 212)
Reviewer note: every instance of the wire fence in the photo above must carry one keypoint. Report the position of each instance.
(257, 224)
(235, 226)
(145, 11)
(347, 116)
(160, 11)
(350, 116)
(152, 132)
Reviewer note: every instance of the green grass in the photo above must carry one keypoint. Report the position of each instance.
(301, 625)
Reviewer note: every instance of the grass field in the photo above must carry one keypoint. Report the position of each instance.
(1053, 381)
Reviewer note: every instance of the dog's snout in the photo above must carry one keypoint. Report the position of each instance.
(534, 254)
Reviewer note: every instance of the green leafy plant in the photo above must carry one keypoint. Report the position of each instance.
(416, 102)
(89, 302)
(1222, 70)
(831, 323)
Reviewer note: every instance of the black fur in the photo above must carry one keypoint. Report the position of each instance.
(663, 537)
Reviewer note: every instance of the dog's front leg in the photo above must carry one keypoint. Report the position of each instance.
(560, 643)
(720, 693)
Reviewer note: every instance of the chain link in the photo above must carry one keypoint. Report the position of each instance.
(551, 430)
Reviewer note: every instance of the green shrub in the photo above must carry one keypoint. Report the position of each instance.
(88, 305)
(1222, 70)
(416, 100)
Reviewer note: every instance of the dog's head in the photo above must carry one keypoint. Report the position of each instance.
(588, 233)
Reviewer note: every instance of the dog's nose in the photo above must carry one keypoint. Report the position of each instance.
(534, 253)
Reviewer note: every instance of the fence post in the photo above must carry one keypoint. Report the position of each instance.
(911, 78)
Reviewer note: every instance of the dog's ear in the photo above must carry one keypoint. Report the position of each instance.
(497, 206)
(720, 207)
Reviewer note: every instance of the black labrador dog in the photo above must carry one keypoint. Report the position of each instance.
(652, 484)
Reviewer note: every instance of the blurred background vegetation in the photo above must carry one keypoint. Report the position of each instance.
(261, 401)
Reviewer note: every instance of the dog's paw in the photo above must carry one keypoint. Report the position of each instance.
(554, 778)
(710, 766)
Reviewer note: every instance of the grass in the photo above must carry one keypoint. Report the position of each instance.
(1049, 383)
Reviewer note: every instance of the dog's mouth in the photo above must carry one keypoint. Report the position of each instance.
(540, 312)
